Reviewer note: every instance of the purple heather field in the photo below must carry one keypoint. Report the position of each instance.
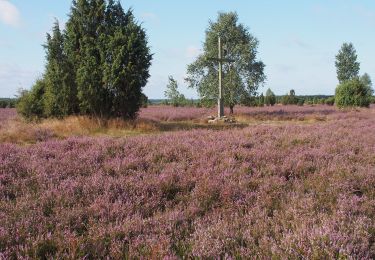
(269, 191)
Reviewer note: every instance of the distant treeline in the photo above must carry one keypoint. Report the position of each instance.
(258, 101)
(8, 102)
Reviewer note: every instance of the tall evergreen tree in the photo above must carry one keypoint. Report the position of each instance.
(60, 93)
(90, 28)
(127, 61)
(111, 56)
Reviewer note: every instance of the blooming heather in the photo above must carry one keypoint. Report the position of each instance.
(278, 191)
(169, 113)
(6, 114)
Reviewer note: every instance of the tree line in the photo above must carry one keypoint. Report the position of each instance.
(97, 66)
(8, 102)
(243, 78)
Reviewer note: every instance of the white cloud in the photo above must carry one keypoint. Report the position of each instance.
(9, 13)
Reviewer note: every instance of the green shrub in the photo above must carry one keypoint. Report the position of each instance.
(300, 101)
(31, 103)
(270, 98)
(353, 93)
(290, 99)
(330, 101)
(46, 249)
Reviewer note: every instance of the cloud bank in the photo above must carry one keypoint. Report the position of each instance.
(9, 14)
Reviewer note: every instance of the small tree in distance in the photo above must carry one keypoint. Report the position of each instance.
(290, 99)
(347, 66)
(270, 99)
(172, 93)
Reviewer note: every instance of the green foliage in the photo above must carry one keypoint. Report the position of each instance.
(290, 99)
(330, 101)
(241, 78)
(97, 66)
(7, 102)
(353, 93)
(31, 103)
(347, 66)
(270, 99)
(46, 249)
(60, 93)
(300, 101)
(261, 100)
(144, 100)
(173, 95)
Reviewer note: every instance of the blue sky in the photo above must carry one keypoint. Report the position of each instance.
(298, 39)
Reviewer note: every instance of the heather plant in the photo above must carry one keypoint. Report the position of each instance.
(7, 114)
(273, 191)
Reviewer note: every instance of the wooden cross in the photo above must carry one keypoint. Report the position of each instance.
(221, 60)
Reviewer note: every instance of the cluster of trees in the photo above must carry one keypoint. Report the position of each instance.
(97, 66)
(291, 99)
(7, 102)
(353, 90)
(242, 79)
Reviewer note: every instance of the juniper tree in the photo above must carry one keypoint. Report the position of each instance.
(60, 98)
(99, 65)
(111, 56)
(127, 61)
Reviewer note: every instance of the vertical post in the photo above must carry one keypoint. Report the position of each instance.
(220, 99)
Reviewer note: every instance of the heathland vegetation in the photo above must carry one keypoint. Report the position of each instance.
(293, 182)
(101, 175)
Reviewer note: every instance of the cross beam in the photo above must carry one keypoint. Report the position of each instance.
(220, 60)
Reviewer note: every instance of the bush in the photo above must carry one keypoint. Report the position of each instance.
(31, 103)
(353, 93)
(300, 101)
(330, 101)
